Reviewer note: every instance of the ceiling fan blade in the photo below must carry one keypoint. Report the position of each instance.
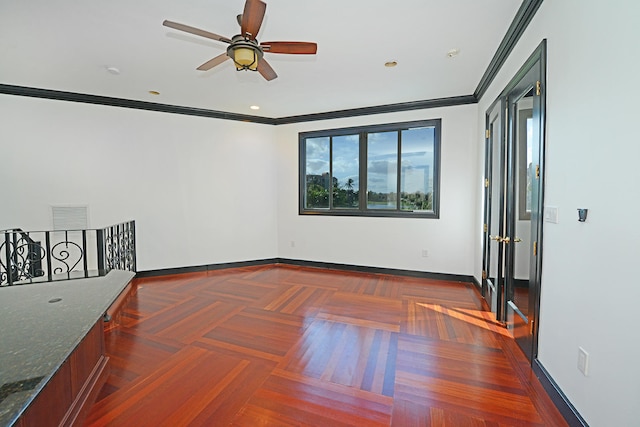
(265, 69)
(196, 31)
(252, 18)
(213, 62)
(301, 48)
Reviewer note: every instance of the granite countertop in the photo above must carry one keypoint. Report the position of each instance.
(40, 325)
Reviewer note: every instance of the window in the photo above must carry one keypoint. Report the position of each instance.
(524, 155)
(383, 170)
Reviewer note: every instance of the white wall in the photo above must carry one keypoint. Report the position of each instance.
(387, 242)
(206, 191)
(201, 190)
(589, 292)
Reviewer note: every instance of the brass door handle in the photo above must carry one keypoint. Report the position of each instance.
(507, 240)
(496, 238)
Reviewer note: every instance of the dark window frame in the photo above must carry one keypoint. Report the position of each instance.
(363, 131)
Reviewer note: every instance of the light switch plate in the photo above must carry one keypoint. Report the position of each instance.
(583, 361)
(551, 214)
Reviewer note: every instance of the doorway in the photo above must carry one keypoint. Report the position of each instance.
(514, 148)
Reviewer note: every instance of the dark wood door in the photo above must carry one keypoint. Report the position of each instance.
(524, 204)
(514, 148)
(494, 209)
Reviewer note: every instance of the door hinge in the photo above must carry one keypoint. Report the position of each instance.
(484, 275)
(487, 134)
(486, 183)
(537, 171)
(531, 322)
(535, 248)
(538, 89)
(485, 228)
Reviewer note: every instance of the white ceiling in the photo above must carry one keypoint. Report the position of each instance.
(67, 45)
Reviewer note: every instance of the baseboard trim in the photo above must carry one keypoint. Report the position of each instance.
(378, 270)
(568, 411)
(521, 283)
(207, 267)
(476, 282)
(305, 263)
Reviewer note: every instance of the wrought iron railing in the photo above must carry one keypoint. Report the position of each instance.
(45, 256)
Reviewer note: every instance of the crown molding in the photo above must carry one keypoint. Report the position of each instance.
(128, 103)
(214, 114)
(523, 17)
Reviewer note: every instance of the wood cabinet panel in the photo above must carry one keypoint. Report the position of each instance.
(50, 406)
(68, 395)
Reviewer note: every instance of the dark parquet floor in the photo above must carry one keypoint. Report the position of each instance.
(281, 345)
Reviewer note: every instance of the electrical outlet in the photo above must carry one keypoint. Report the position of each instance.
(583, 361)
(425, 253)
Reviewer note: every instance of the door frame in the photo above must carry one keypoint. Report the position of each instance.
(536, 64)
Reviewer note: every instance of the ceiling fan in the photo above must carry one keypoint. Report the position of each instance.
(244, 49)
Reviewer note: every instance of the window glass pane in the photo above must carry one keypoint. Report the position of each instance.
(382, 170)
(416, 178)
(346, 179)
(317, 173)
(529, 163)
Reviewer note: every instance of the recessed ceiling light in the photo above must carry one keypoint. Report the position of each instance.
(255, 107)
(390, 64)
(113, 70)
(453, 53)
(154, 92)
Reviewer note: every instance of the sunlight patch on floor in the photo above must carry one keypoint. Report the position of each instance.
(477, 318)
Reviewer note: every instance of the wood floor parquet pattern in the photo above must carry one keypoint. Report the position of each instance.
(280, 345)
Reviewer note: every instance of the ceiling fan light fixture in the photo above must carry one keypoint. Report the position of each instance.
(245, 54)
(245, 58)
